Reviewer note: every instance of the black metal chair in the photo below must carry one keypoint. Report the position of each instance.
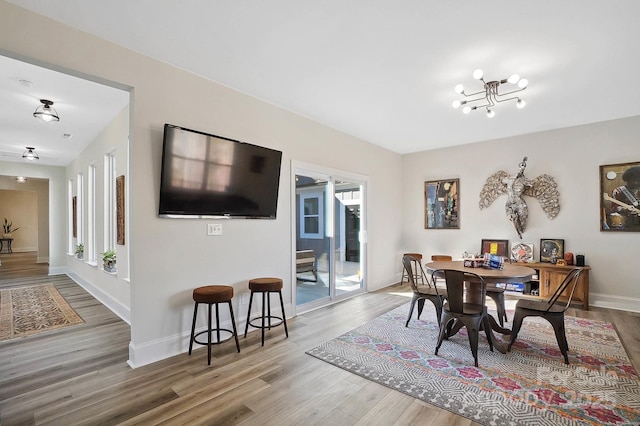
(457, 309)
(549, 310)
(422, 292)
(415, 262)
(495, 293)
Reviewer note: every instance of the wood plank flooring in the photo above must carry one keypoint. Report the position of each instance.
(79, 375)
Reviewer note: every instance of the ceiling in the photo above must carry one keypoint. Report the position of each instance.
(379, 70)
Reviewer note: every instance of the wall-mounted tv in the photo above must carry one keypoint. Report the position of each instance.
(210, 176)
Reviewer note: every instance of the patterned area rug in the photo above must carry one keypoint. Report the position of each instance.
(530, 385)
(29, 310)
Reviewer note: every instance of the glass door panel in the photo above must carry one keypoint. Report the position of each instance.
(329, 251)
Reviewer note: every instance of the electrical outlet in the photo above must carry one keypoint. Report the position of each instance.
(214, 229)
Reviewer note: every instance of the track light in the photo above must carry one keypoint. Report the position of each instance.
(46, 113)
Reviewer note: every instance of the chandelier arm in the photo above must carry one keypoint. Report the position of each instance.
(508, 99)
(508, 93)
(473, 94)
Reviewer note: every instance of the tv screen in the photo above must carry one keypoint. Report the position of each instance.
(205, 175)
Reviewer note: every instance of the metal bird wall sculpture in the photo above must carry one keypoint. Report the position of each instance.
(544, 188)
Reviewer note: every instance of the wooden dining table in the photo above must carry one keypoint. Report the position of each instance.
(509, 274)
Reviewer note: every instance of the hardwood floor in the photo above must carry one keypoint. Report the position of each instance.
(79, 375)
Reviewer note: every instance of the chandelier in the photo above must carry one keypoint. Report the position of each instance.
(491, 95)
(30, 154)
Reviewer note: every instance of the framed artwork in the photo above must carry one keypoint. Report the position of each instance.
(620, 197)
(74, 213)
(120, 210)
(551, 250)
(442, 204)
(499, 247)
(522, 252)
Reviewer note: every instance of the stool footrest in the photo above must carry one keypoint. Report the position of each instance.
(266, 320)
(213, 336)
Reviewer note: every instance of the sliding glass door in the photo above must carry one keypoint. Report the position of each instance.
(330, 250)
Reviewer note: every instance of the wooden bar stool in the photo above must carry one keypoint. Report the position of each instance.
(266, 286)
(213, 295)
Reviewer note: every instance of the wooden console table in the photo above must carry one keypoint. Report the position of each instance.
(8, 240)
(550, 277)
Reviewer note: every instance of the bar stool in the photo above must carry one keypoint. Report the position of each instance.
(266, 286)
(213, 295)
(416, 269)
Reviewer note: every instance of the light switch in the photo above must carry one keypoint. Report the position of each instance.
(214, 229)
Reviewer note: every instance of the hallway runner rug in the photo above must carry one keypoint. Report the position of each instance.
(25, 311)
(530, 385)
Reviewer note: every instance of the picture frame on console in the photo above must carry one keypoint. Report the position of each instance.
(442, 204)
(551, 249)
(522, 252)
(497, 247)
(620, 197)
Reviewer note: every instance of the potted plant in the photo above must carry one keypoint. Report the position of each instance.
(109, 260)
(8, 229)
(80, 251)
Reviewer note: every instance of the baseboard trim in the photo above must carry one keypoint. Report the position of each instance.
(619, 303)
(115, 306)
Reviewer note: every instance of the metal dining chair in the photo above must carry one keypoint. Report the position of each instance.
(551, 310)
(423, 292)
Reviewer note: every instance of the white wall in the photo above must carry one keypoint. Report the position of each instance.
(572, 156)
(113, 290)
(51, 210)
(168, 258)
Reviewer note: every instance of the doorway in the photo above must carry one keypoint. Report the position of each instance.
(329, 228)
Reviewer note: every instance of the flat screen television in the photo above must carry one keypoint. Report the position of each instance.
(210, 176)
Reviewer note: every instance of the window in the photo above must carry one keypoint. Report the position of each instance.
(90, 246)
(79, 209)
(110, 201)
(312, 215)
(70, 219)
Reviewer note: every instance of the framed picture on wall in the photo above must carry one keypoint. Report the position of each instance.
(499, 247)
(120, 210)
(442, 204)
(620, 197)
(551, 250)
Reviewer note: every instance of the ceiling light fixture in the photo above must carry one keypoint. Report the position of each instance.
(21, 179)
(491, 95)
(46, 113)
(29, 154)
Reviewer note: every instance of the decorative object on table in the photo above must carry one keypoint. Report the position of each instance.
(80, 251)
(580, 260)
(493, 261)
(499, 247)
(522, 252)
(551, 250)
(522, 387)
(109, 260)
(561, 262)
(543, 188)
(473, 262)
(620, 199)
(442, 204)
(8, 229)
(490, 96)
(568, 258)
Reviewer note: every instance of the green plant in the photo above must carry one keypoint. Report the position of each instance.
(80, 248)
(8, 227)
(109, 256)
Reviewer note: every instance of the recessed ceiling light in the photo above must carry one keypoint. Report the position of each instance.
(25, 83)
(67, 135)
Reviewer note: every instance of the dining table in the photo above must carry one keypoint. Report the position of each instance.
(510, 273)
